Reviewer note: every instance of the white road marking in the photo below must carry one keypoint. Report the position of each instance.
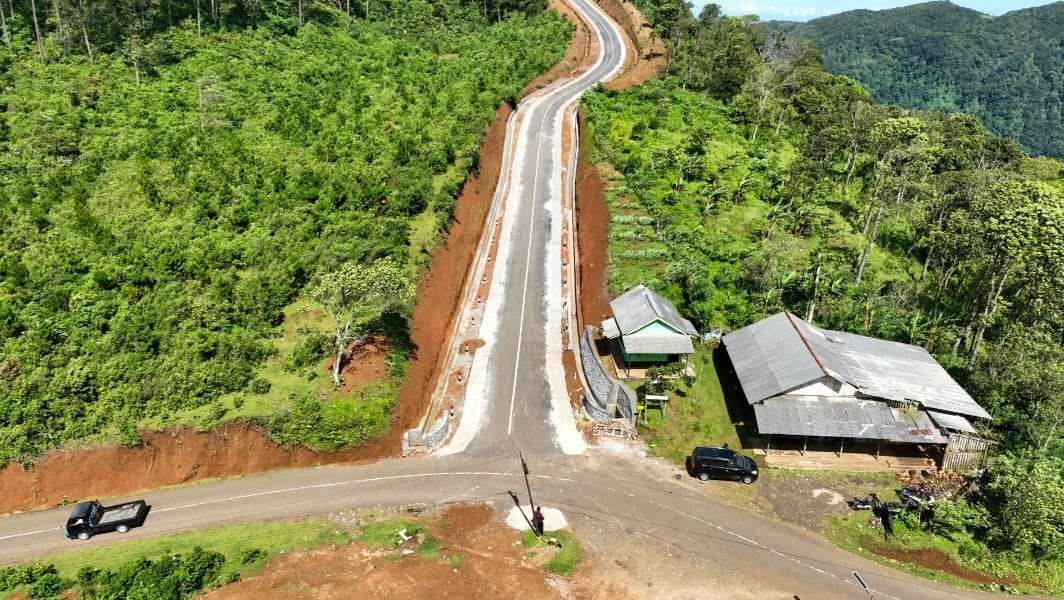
(524, 291)
(316, 487)
(757, 544)
(15, 535)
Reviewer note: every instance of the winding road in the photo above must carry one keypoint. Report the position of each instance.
(621, 505)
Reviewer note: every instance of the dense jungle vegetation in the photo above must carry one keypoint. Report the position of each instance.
(175, 173)
(1007, 70)
(751, 180)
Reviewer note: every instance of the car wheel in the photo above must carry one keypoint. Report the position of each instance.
(84, 535)
(748, 479)
(122, 528)
(703, 476)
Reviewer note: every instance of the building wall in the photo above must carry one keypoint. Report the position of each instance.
(825, 386)
(656, 327)
(636, 358)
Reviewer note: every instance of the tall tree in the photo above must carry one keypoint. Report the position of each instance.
(355, 294)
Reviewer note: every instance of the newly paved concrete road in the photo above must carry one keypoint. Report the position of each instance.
(622, 506)
(518, 372)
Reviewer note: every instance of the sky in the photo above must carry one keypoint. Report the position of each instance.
(803, 10)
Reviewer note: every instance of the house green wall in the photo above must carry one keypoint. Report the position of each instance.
(655, 328)
(637, 358)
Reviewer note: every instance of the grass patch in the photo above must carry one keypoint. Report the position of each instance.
(457, 560)
(246, 547)
(385, 534)
(854, 533)
(302, 319)
(566, 560)
(697, 415)
(430, 548)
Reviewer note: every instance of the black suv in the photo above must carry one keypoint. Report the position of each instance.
(721, 463)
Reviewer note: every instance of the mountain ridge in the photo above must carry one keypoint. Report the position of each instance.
(1008, 70)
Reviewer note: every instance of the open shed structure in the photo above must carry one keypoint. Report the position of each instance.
(808, 383)
(648, 328)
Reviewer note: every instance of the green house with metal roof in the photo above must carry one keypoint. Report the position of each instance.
(648, 328)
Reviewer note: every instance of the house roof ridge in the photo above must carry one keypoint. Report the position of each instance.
(790, 319)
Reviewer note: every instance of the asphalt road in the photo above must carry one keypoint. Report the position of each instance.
(621, 505)
(618, 504)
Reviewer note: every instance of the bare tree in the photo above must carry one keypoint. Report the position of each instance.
(37, 30)
(3, 23)
(82, 16)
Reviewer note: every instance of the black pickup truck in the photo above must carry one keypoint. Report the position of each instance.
(90, 518)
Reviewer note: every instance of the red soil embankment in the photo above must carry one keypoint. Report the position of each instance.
(646, 52)
(592, 231)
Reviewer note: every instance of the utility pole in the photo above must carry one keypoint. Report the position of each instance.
(517, 503)
(524, 468)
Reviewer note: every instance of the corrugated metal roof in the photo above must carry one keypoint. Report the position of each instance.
(610, 329)
(948, 421)
(658, 344)
(817, 416)
(770, 360)
(640, 306)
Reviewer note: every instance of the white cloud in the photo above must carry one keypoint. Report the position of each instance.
(771, 10)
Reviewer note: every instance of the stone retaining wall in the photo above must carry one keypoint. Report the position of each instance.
(607, 396)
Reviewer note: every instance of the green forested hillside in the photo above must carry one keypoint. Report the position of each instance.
(1007, 70)
(751, 181)
(163, 199)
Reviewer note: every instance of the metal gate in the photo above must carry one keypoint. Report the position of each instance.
(965, 452)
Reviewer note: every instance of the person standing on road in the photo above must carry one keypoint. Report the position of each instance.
(537, 521)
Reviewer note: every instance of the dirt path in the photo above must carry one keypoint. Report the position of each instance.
(478, 559)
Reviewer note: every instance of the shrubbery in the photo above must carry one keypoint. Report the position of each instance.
(174, 577)
(159, 210)
(345, 421)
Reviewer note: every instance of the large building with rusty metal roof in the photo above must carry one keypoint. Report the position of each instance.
(811, 383)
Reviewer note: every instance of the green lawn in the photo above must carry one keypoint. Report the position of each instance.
(246, 547)
(697, 415)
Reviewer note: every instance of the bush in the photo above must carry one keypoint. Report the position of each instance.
(12, 577)
(47, 586)
(260, 385)
(958, 520)
(1025, 499)
(313, 348)
(328, 426)
(170, 578)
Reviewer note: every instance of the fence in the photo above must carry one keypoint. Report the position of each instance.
(965, 452)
